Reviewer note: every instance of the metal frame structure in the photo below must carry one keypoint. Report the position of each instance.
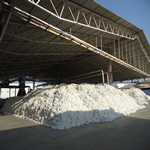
(85, 29)
(99, 23)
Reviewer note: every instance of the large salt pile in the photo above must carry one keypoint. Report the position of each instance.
(139, 96)
(65, 106)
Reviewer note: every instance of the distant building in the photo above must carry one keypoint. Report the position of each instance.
(12, 92)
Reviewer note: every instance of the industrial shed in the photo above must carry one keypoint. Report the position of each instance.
(70, 41)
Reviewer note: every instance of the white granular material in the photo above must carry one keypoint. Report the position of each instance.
(139, 96)
(66, 106)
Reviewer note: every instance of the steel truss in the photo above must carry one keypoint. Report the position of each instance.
(91, 19)
(119, 45)
(54, 30)
(95, 21)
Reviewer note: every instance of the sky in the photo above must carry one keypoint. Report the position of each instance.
(136, 12)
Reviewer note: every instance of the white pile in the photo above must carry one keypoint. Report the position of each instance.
(65, 106)
(139, 96)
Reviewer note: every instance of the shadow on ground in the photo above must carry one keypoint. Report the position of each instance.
(127, 133)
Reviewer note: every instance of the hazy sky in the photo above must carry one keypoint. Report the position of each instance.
(136, 12)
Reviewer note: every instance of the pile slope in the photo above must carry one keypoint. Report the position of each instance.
(140, 97)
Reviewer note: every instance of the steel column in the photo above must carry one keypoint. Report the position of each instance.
(110, 73)
(143, 64)
(9, 92)
(101, 43)
(15, 91)
(33, 85)
(119, 48)
(139, 60)
(0, 92)
(114, 48)
(130, 54)
(103, 79)
(122, 50)
(107, 78)
(96, 41)
(126, 51)
(133, 55)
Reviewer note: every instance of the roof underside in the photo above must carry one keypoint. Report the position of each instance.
(27, 50)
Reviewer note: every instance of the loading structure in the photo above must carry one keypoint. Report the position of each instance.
(69, 41)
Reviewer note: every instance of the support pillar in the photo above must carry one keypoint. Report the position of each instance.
(0, 93)
(28, 89)
(103, 79)
(107, 78)
(9, 92)
(15, 91)
(33, 85)
(110, 74)
(22, 91)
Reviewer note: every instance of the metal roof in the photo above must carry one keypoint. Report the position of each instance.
(28, 50)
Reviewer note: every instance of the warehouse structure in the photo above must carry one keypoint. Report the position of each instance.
(69, 41)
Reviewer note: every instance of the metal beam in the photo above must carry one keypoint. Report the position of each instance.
(43, 54)
(7, 21)
(110, 72)
(85, 74)
(87, 77)
(129, 34)
(38, 61)
(39, 42)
